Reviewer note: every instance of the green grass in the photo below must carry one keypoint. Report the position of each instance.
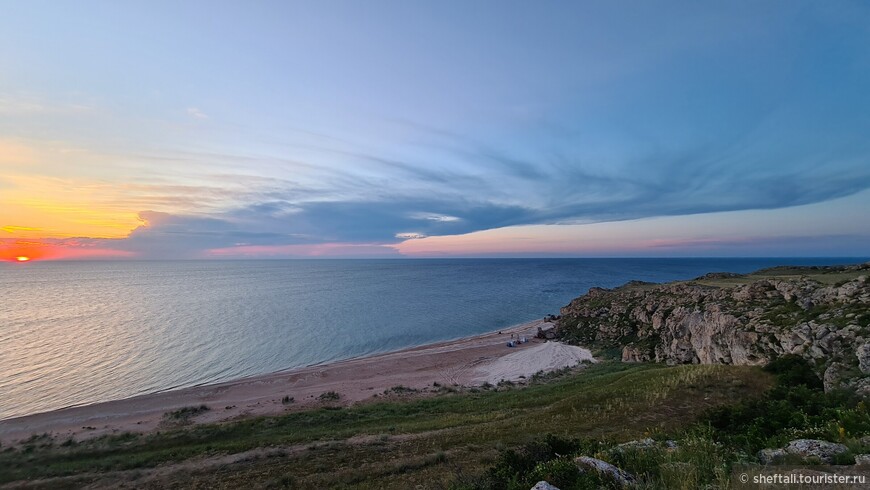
(422, 440)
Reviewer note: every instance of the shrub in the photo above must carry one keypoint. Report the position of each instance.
(515, 467)
(185, 414)
(797, 407)
(401, 390)
(329, 396)
(794, 370)
(560, 472)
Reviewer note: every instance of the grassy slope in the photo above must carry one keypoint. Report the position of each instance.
(827, 276)
(396, 444)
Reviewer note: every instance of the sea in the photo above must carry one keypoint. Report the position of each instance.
(75, 333)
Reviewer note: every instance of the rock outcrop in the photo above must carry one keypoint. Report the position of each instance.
(621, 478)
(805, 451)
(772, 456)
(644, 444)
(824, 451)
(819, 313)
(542, 485)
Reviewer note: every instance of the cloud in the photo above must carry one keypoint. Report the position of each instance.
(28, 105)
(272, 225)
(442, 183)
(295, 224)
(244, 215)
(437, 183)
(566, 183)
(167, 236)
(17, 229)
(434, 217)
(196, 113)
(320, 250)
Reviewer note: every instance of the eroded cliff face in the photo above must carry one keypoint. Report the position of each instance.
(823, 315)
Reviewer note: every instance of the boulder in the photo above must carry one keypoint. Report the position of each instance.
(862, 460)
(861, 386)
(639, 444)
(620, 477)
(542, 485)
(833, 376)
(814, 448)
(633, 353)
(771, 456)
(863, 354)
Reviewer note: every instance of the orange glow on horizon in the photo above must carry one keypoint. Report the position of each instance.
(21, 251)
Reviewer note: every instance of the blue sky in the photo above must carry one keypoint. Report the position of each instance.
(233, 129)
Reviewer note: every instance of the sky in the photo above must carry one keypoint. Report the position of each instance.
(279, 129)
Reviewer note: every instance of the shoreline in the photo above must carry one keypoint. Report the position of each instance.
(420, 370)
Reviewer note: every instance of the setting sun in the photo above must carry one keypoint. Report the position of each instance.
(22, 259)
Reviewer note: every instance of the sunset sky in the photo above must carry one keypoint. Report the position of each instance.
(219, 129)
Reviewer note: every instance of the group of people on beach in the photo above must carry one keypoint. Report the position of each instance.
(519, 340)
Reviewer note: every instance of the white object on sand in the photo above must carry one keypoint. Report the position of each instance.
(548, 356)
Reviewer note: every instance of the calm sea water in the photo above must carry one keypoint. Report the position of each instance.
(82, 332)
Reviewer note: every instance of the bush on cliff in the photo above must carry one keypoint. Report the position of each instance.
(794, 370)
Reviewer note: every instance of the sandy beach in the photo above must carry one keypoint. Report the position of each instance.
(419, 370)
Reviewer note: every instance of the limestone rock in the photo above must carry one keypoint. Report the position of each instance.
(814, 448)
(542, 485)
(638, 444)
(621, 477)
(747, 324)
(861, 386)
(771, 456)
(863, 353)
(633, 353)
(833, 376)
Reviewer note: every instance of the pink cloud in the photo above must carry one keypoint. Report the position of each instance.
(305, 250)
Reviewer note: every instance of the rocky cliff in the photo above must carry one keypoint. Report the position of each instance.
(820, 313)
